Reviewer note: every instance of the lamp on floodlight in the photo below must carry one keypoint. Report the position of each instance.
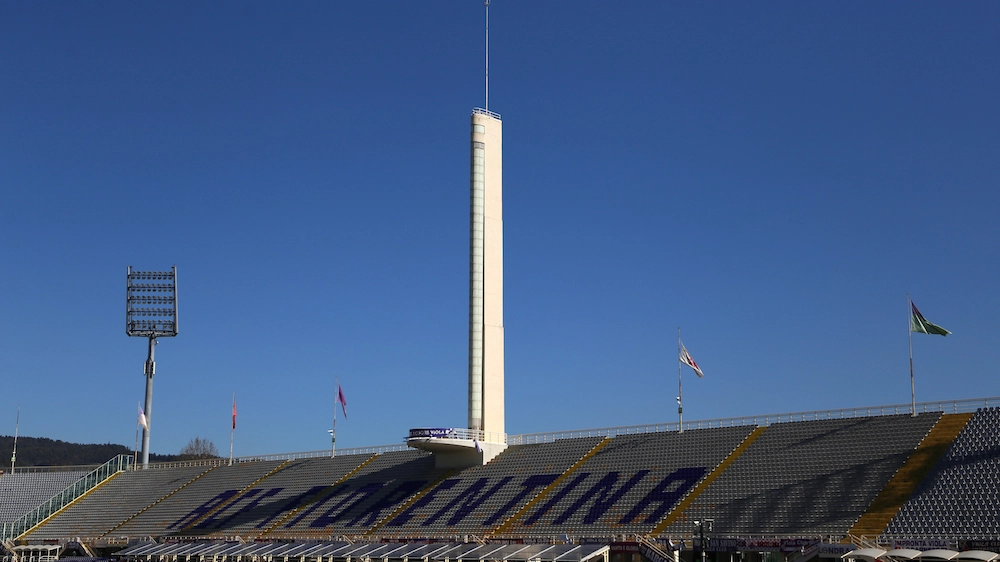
(150, 312)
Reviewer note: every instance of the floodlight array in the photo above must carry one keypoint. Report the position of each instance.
(151, 307)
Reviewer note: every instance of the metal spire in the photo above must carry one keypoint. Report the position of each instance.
(487, 4)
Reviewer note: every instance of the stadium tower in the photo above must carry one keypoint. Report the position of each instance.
(486, 352)
(485, 437)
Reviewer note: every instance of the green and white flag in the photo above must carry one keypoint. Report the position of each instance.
(920, 324)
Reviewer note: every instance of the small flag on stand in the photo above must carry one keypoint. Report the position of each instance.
(690, 362)
(921, 325)
(342, 399)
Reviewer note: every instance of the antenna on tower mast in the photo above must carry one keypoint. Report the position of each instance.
(487, 4)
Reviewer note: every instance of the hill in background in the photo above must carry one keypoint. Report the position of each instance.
(40, 451)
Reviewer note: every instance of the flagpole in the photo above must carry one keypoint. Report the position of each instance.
(135, 454)
(232, 431)
(17, 425)
(333, 434)
(680, 386)
(909, 335)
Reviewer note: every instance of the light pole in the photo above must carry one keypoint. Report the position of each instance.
(700, 527)
(150, 312)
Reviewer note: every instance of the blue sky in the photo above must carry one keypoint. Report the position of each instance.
(772, 178)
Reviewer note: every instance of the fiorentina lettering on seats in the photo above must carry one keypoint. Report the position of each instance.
(527, 487)
(603, 495)
(292, 503)
(330, 516)
(407, 514)
(666, 494)
(540, 512)
(218, 522)
(328, 494)
(347, 503)
(350, 501)
(466, 502)
(370, 516)
(202, 509)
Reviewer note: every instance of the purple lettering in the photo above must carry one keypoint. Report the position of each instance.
(528, 486)
(404, 518)
(667, 493)
(202, 509)
(604, 500)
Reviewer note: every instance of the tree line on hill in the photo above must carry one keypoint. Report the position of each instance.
(41, 451)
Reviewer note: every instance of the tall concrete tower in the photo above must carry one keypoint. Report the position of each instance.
(485, 438)
(486, 388)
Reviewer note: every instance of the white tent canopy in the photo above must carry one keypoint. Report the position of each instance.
(903, 554)
(938, 554)
(864, 554)
(980, 555)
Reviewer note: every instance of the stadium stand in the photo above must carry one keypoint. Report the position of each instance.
(807, 478)
(902, 485)
(220, 484)
(763, 480)
(630, 484)
(21, 492)
(960, 496)
(356, 504)
(112, 503)
(483, 497)
(254, 510)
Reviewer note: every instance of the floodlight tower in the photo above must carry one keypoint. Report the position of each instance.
(151, 312)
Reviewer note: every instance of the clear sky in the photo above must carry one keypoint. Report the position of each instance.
(773, 178)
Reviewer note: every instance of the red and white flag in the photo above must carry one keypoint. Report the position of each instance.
(341, 399)
(234, 411)
(689, 361)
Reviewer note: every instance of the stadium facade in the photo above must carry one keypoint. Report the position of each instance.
(806, 485)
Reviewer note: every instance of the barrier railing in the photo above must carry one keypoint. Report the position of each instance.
(68, 468)
(457, 433)
(377, 449)
(944, 406)
(487, 112)
(55, 503)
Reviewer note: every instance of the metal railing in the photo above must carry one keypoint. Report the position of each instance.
(944, 406)
(481, 111)
(62, 499)
(458, 433)
(376, 449)
(68, 468)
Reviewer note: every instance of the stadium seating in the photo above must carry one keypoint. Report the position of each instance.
(21, 492)
(266, 503)
(783, 479)
(359, 502)
(218, 485)
(807, 477)
(114, 502)
(630, 484)
(483, 497)
(959, 498)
